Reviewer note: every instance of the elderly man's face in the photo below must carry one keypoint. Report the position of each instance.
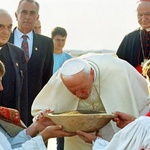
(80, 84)
(26, 16)
(5, 28)
(143, 14)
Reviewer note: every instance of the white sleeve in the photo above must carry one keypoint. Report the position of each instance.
(4, 143)
(22, 142)
(100, 144)
(1, 148)
(32, 144)
(19, 139)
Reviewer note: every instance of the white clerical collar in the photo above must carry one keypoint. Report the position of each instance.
(147, 29)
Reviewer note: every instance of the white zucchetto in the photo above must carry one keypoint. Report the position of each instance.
(73, 66)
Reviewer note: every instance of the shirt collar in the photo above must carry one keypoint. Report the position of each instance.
(19, 34)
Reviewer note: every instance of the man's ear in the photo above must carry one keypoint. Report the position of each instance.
(16, 15)
(38, 17)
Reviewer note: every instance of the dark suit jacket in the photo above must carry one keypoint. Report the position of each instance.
(17, 99)
(40, 66)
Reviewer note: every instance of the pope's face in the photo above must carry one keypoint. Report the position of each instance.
(80, 84)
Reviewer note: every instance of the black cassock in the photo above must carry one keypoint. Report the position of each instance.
(135, 47)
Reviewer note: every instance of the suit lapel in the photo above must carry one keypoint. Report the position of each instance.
(15, 62)
(35, 51)
(11, 39)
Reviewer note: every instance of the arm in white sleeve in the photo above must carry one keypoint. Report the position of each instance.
(19, 139)
(22, 141)
(32, 144)
(100, 144)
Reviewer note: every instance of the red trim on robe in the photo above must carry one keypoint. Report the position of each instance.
(148, 114)
(139, 69)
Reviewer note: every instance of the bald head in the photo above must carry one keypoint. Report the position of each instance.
(143, 14)
(5, 26)
(4, 12)
(37, 27)
(143, 1)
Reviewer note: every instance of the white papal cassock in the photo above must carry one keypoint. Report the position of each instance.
(117, 85)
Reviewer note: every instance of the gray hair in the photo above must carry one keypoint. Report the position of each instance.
(32, 1)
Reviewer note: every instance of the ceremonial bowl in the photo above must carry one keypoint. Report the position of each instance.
(85, 120)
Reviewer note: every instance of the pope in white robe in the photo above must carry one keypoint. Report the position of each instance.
(117, 86)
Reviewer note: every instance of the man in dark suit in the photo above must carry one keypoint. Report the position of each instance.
(40, 63)
(14, 94)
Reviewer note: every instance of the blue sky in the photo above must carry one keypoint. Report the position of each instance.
(91, 24)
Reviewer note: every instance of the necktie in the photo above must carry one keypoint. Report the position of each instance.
(25, 46)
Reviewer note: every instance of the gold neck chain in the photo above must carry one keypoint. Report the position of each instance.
(145, 59)
(92, 103)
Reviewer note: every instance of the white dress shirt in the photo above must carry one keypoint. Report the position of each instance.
(18, 40)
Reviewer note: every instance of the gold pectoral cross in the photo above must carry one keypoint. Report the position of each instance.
(93, 105)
